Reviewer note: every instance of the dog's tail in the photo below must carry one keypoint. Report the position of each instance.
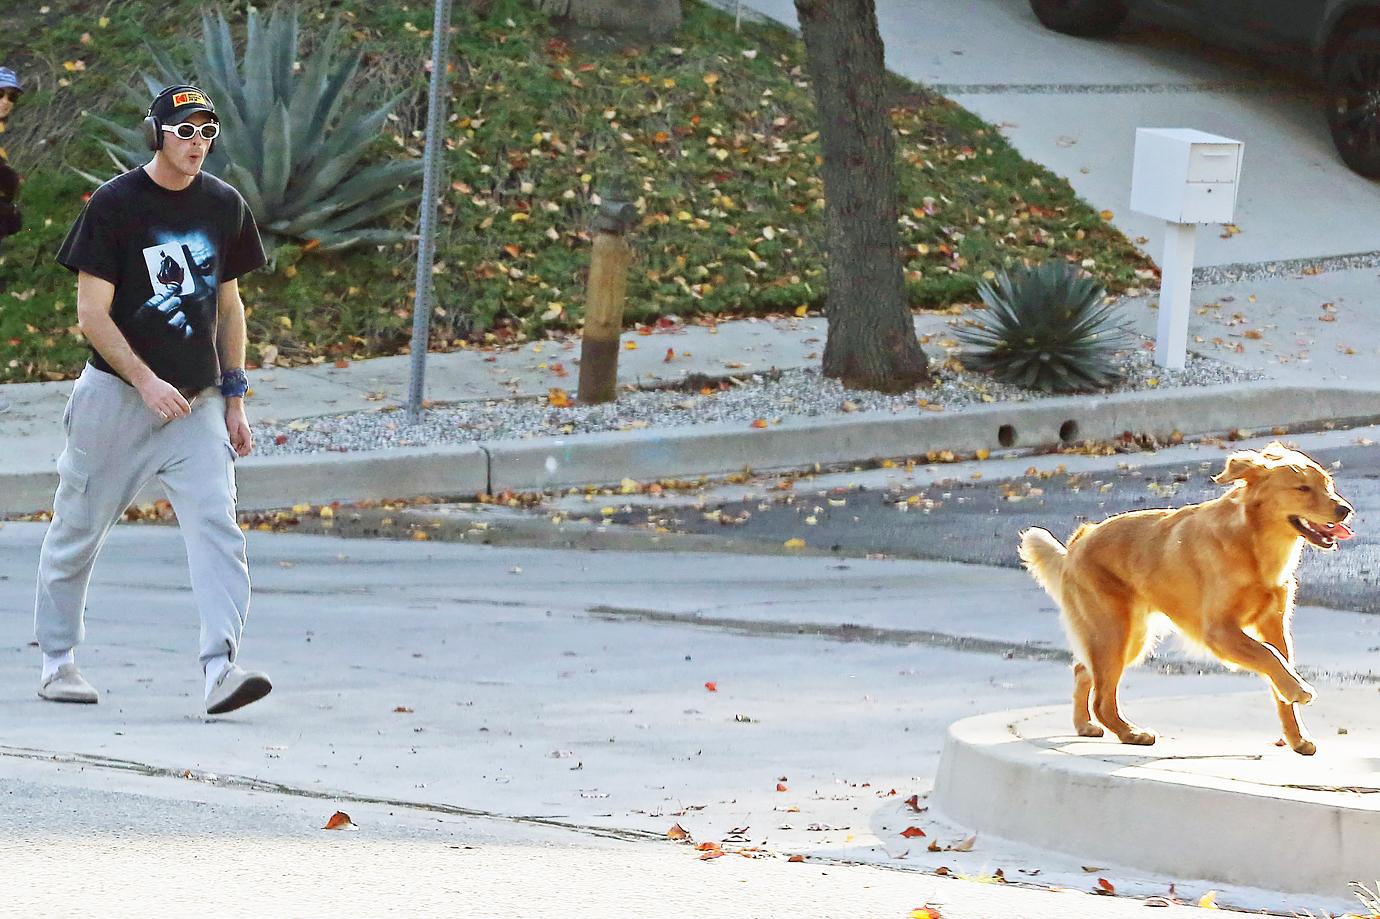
(1044, 558)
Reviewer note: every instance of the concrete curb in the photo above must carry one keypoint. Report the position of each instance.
(1119, 807)
(721, 449)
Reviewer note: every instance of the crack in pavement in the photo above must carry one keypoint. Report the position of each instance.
(1011, 650)
(845, 632)
(248, 783)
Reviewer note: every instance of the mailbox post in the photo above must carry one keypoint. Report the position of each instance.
(1184, 177)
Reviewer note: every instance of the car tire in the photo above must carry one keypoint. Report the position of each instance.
(1353, 100)
(1080, 17)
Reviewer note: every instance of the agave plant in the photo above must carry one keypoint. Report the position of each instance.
(1048, 329)
(290, 143)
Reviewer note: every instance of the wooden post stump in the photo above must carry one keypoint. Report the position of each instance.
(608, 282)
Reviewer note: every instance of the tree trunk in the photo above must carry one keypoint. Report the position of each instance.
(871, 343)
(650, 18)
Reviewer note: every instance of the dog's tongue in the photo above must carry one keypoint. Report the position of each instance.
(1338, 531)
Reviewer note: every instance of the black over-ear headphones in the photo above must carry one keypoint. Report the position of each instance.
(153, 126)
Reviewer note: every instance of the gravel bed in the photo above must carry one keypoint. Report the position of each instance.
(791, 393)
(1238, 272)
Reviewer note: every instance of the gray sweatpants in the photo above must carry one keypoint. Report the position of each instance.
(115, 445)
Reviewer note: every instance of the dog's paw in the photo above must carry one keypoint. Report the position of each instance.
(1089, 730)
(1304, 746)
(1302, 694)
(1140, 737)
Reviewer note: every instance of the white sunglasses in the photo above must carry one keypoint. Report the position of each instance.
(186, 130)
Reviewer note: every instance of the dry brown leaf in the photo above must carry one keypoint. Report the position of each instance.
(677, 832)
(911, 832)
(339, 821)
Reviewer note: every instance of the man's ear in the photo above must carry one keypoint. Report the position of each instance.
(1245, 466)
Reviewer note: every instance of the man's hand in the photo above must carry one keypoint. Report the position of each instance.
(237, 426)
(162, 398)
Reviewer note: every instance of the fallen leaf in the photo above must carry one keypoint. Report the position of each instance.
(1208, 900)
(712, 686)
(796, 858)
(402, 710)
(558, 398)
(677, 832)
(339, 821)
(926, 912)
(759, 423)
(966, 845)
(794, 543)
(781, 786)
(911, 832)
(1105, 887)
(913, 802)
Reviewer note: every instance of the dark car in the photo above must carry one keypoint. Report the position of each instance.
(1336, 42)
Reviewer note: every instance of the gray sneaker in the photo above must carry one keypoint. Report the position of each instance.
(68, 685)
(236, 688)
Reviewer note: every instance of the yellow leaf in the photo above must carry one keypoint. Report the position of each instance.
(983, 453)
(301, 508)
(420, 536)
(795, 543)
(1208, 900)
(607, 511)
(710, 79)
(327, 512)
(558, 398)
(519, 217)
(1106, 215)
(629, 487)
(285, 321)
(801, 310)
(103, 21)
(630, 345)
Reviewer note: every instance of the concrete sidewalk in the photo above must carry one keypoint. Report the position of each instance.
(1317, 364)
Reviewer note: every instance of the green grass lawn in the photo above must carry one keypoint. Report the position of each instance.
(713, 136)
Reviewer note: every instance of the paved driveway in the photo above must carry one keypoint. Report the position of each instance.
(1074, 104)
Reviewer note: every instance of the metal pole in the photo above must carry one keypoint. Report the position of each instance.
(432, 165)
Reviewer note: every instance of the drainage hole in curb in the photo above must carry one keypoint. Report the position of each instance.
(1068, 431)
(1006, 435)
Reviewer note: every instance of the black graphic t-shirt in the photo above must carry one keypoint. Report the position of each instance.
(166, 252)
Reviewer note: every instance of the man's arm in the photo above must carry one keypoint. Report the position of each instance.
(230, 339)
(94, 298)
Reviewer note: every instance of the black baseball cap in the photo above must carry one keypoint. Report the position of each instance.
(176, 103)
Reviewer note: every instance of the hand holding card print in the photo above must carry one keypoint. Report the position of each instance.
(180, 282)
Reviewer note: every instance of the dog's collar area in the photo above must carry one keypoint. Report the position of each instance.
(1324, 536)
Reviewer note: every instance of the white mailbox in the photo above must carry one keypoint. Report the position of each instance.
(1185, 176)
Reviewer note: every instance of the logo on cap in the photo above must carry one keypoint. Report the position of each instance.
(188, 97)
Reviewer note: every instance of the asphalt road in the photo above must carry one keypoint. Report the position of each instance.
(979, 522)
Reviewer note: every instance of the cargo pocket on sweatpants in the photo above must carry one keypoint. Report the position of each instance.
(72, 504)
(230, 471)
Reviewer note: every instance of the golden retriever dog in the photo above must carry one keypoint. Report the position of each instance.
(1221, 571)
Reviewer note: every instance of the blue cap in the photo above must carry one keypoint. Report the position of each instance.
(9, 79)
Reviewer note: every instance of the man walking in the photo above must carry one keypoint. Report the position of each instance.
(158, 252)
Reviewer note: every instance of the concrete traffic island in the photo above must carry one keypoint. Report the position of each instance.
(1213, 799)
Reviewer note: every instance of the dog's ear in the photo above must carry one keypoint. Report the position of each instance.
(1246, 466)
